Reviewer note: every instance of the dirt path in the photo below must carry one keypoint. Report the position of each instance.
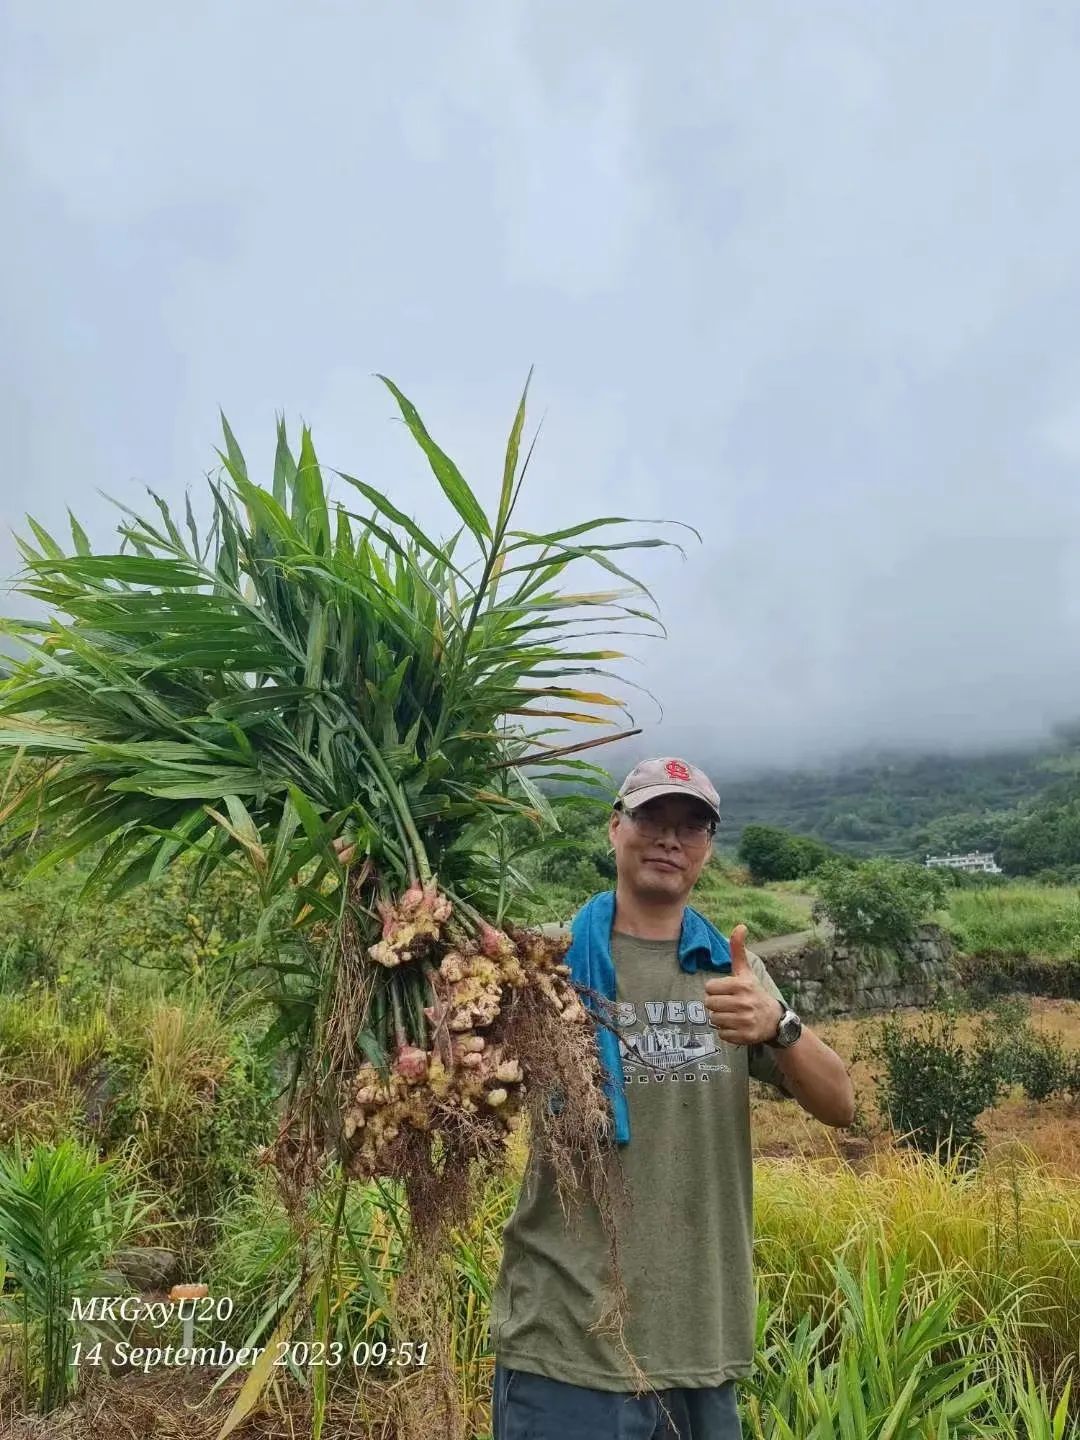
(793, 941)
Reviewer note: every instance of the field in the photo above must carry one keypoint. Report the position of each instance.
(889, 1285)
(1018, 919)
(1049, 1130)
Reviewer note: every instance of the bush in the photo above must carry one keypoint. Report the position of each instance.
(933, 1089)
(878, 902)
(1001, 1038)
(1045, 1067)
(175, 927)
(578, 866)
(770, 854)
(814, 854)
(193, 1101)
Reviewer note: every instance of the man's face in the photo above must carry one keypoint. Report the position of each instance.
(654, 857)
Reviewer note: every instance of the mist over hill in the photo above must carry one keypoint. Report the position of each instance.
(893, 802)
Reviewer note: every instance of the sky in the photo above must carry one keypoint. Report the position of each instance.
(804, 277)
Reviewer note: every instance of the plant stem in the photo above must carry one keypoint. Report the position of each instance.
(400, 1034)
(467, 911)
(393, 793)
(378, 1006)
(413, 982)
(439, 1031)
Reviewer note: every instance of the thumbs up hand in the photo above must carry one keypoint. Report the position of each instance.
(739, 1007)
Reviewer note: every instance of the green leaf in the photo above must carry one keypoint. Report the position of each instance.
(290, 819)
(208, 784)
(189, 516)
(78, 536)
(284, 467)
(391, 511)
(443, 468)
(124, 569)
(310, 514)
(236, 458)
(513, 445)
(267, 699)
(316, 830)
(45, 540)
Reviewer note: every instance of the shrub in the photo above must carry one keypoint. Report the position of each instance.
(877, 903)
(1019, 1055)
(579, 866)
(933, 1089)
(1045, 1066)
(770, 854)
(1001, 1038)
(813, 854)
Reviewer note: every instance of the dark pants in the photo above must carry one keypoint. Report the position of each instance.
(532, 1407)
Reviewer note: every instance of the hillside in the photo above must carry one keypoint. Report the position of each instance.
(904, 805)
(1022, 802)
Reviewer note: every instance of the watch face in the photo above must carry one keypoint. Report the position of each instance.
(790, 1029)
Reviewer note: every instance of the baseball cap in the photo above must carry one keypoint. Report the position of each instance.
(667, 776)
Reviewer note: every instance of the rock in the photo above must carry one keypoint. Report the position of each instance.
(822, 980)
(147, 1267)
(97, 1093)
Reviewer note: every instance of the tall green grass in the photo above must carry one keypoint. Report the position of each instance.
(169, 1087)
(1008, 1232)
(1018, 919)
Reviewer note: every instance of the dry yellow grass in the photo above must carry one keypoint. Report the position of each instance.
(1050, 1130)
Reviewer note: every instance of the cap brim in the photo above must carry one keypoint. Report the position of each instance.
(653, 792)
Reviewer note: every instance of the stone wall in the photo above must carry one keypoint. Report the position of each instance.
(819, 979)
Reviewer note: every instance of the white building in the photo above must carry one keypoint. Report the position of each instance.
(974, 860)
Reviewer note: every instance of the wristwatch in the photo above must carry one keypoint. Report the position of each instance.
(787, 1031)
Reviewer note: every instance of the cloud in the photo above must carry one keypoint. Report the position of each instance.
(803, 278)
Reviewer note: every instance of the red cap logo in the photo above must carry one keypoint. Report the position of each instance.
(677, 770)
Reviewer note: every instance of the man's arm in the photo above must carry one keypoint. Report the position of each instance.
(745, 1008)
(817, 1078)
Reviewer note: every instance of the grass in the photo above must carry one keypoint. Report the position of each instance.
(1015, 919)
(1050, 1130)
(996, 1249)
(764, 910)
(1008, 1233)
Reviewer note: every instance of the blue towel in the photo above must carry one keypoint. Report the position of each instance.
(701, 947)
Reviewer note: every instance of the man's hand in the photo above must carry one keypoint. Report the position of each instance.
(740, 1008)
(345, 850)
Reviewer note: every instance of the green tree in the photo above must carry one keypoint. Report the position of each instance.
(769, 854)
(878, 902)
(813, 854)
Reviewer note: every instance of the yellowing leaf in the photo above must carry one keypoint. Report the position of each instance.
(564, 715)
(587, 697)
(263, 1369)
(253, 847)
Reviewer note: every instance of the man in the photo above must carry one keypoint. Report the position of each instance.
(696, 1018)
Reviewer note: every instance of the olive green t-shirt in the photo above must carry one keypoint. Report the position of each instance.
(685, 1242)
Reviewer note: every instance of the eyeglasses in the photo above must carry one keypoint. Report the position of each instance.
(687, 832)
